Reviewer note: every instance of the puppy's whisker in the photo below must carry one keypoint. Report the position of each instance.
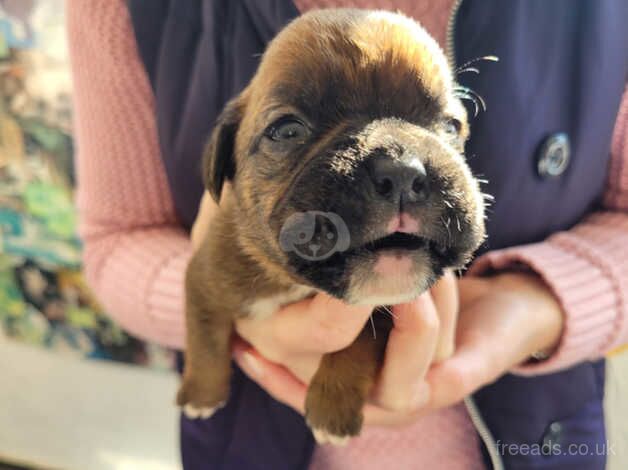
(446, 224)
(389, 312)
(468, 94)
(373, 326)
(466, 66)
(477, 104)
(468, 69)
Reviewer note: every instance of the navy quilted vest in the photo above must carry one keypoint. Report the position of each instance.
(563, 68)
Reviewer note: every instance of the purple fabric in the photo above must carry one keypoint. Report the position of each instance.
(253, 431)
(563, 66)
(519, 411)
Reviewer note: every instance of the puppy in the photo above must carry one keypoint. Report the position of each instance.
(345, 154)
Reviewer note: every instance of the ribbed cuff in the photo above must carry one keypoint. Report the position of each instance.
(166, 299)
(585, 284)
(139, 277)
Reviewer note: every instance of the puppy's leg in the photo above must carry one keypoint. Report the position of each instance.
(207, 373)
(342, 383)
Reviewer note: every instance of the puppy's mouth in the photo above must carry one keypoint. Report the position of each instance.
(401, 241)
(396, 241)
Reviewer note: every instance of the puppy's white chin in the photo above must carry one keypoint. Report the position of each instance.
(388, 289)
(386, 299)
(390, 279)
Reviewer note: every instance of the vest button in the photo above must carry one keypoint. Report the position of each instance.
(553, 156)
(551, 438)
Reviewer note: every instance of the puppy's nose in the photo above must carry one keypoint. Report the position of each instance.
(399, 181)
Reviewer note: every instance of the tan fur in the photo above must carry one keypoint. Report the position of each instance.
(240, 268)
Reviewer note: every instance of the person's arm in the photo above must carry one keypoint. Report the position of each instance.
(586, 268)
(135, 252)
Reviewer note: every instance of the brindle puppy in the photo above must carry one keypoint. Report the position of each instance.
(345, 154)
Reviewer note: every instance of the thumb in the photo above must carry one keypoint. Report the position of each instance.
(320, 324)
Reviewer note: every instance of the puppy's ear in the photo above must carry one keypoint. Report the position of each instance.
(219, 158)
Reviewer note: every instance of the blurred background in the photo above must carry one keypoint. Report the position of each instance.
(76, 392)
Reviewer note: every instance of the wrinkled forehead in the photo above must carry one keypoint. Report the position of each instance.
(349, 61)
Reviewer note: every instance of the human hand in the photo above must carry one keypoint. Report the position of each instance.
(503, 320)
(284, 350)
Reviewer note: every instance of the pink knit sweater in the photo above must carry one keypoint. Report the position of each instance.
(136, 251)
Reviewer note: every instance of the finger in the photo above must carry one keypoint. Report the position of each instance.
(409, 353)
(445, 296)
(319, 325)
(472, 366)
(273, 378)
(471, 289)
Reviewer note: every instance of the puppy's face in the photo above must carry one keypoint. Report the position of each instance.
(345, 155)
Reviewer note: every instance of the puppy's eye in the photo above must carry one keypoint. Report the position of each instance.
(287, 130)
(452, 126)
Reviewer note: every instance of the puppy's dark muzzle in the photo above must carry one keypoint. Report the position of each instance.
(400, 182)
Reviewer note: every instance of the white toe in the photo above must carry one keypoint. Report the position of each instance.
(202, 412)
(324, 437)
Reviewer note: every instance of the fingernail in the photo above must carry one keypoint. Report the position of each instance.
(251, 364)
(444, 352)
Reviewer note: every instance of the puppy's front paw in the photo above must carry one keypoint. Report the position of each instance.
(192, 412)
(333, 411)
(324, 437)
(199, 400)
